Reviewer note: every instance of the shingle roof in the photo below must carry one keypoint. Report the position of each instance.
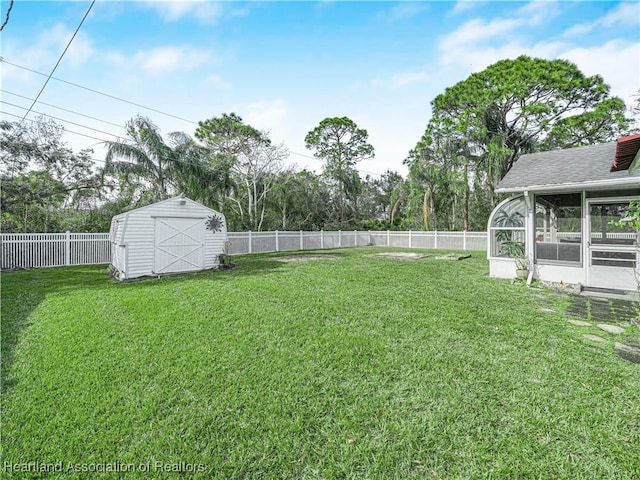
(566, 168)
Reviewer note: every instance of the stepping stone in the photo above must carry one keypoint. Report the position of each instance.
(594, 338)
(547, 310)
(632, 341)
(610, 328)
(599, 299)
(636, 321)
(627, 352)
(576, 313)
(630, 312)
(579, 323)
(599, 319)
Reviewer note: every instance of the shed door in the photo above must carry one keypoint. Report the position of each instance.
(179, 244)
(613, 251)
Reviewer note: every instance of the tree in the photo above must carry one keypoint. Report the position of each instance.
(146, 156)
(515, 103)
(42, 179)
(300, 200)
(228, 137)
(604, 123)
(438, 183)
(341, 144)
(257, 170)
(228, 134)
(378, 199)
(480, 127)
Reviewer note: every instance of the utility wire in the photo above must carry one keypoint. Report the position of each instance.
(62, 120)
(99, 92)
(6, 20)
(101, 140)
(2, 60)
(97, 160)
(59, 60)
(62, 108)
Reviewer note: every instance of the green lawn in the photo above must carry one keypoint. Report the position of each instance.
(356, 367)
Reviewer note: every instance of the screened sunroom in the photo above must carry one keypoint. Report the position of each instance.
(562, 222)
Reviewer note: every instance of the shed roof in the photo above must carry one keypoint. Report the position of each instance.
(572, 168)
(173, 200)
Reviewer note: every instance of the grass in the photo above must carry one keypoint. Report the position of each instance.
(356, 367)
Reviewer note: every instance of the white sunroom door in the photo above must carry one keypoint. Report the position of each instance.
(179, 244)
(613, 252)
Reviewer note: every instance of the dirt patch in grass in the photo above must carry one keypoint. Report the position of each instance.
(401, 255)
(301, 258)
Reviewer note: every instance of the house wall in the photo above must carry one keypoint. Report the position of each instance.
(560, 273)
(570, 274)
(135, 249)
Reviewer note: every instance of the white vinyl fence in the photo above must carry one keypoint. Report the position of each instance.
(29, 250)
(261, 242)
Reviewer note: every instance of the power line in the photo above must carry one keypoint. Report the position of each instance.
(101, 140)
(99, 92)
(320, 160)
(59, 60)
(62, 119)
(62, 108)
(305, 156)
(66, 131)
(6, 20)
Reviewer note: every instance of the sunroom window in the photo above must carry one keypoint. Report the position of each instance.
(559, 228)
(507, 229)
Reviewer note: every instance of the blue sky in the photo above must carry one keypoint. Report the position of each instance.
(284, 66)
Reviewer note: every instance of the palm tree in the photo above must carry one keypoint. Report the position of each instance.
(146, 156)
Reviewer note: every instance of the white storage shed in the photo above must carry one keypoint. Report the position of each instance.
(171, 236)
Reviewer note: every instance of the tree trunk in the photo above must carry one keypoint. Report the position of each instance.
(425, 211)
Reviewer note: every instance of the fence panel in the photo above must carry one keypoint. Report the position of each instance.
(313, 240)
(33, 250)
(399, 239)
(89, 248)
(58, 249)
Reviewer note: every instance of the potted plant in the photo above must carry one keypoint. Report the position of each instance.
(522, 267)
(516, 251)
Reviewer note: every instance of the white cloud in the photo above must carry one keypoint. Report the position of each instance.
(479, 58)
(472, 33)
(478, 30)
(171, 11)
(404, 10)
(480, 42)
(462, 6)
(617, 61)
(42, 51)
(401, 80)
(204, 11)
(80, 49)
(625, 14)
(267, 115)
(161, 60)
(218, 82)
(539, 11)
